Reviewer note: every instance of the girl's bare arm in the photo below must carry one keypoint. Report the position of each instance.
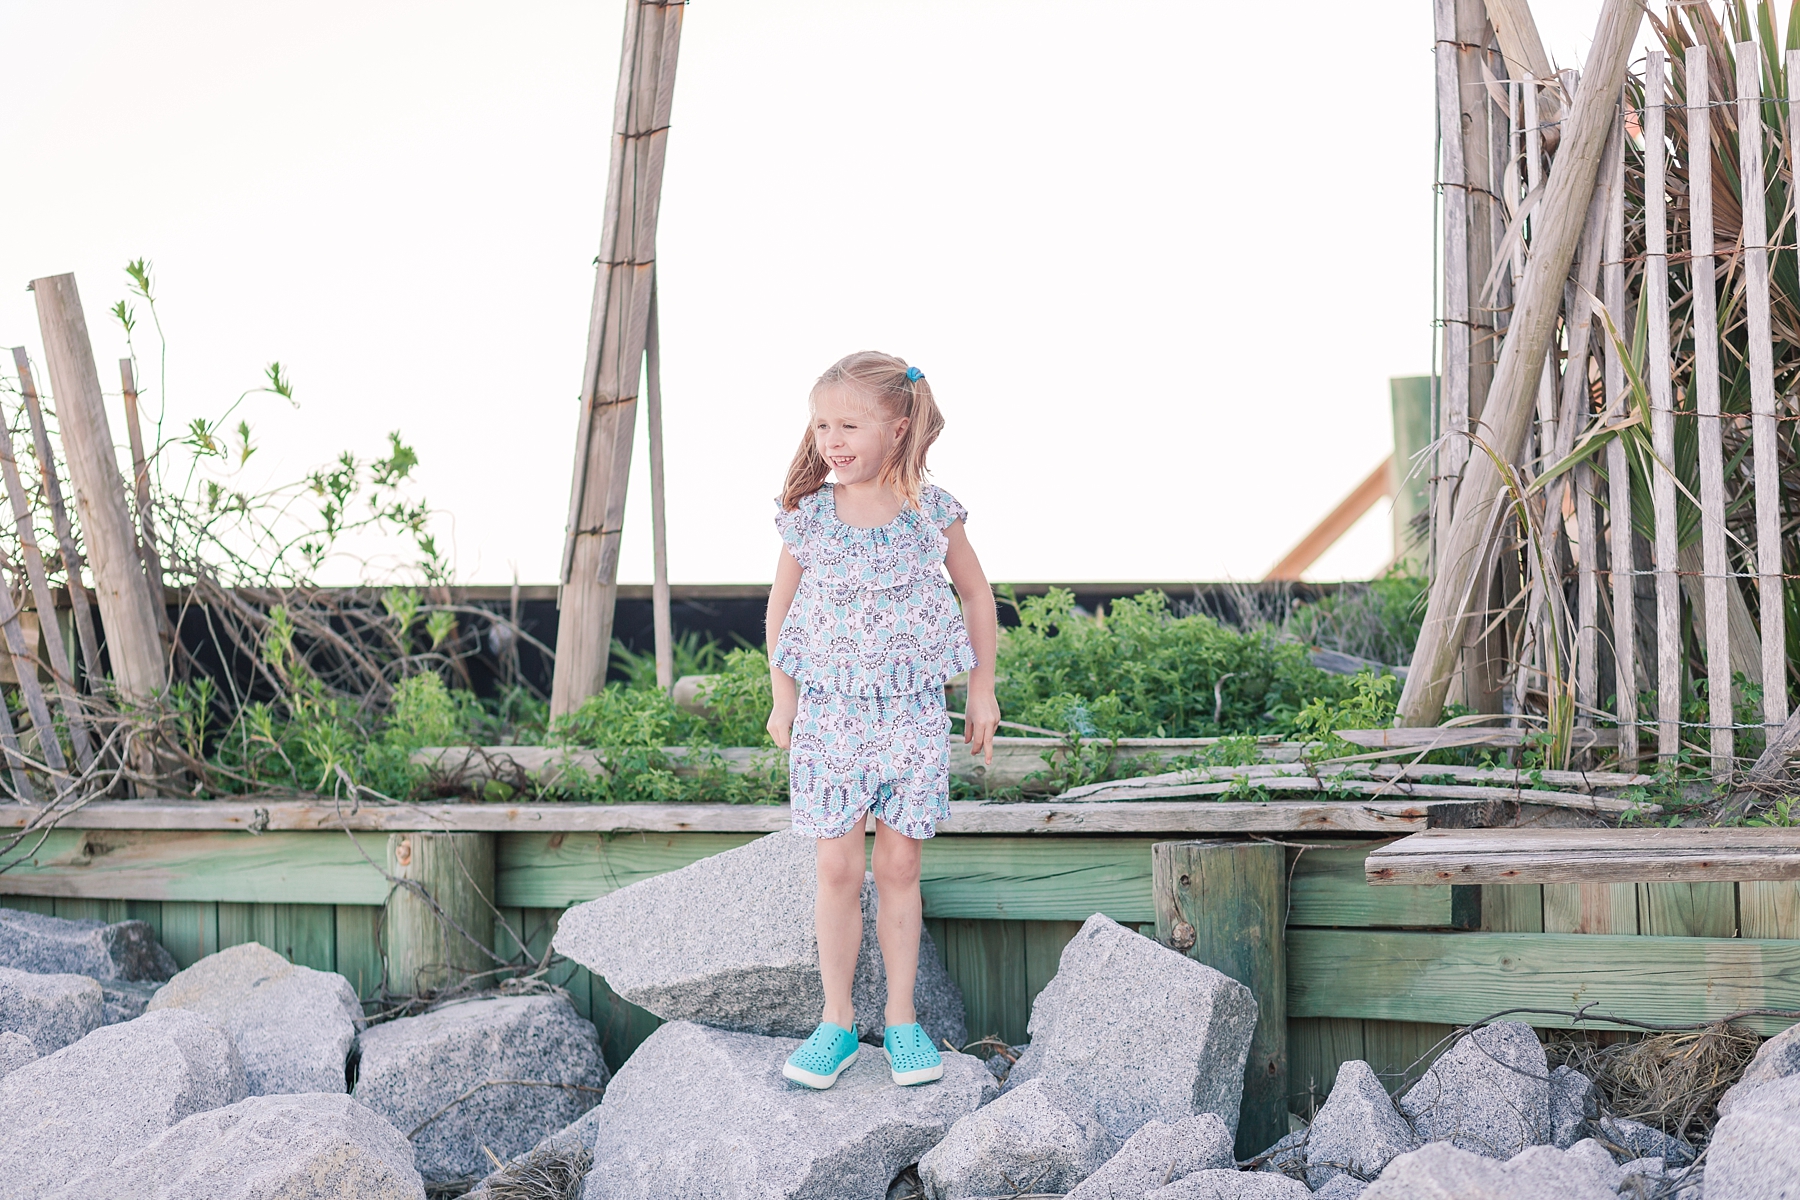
(786, 698)
(982, 713)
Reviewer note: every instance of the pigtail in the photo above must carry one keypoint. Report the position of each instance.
(806, 474)
(904, 469)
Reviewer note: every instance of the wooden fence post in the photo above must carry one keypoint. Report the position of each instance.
(1225, 904)
(133, 638)
(424, 952)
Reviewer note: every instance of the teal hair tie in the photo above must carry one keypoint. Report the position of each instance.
(913, 374)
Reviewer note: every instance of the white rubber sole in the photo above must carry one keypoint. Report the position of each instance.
(821, 1082)
(909, 1078)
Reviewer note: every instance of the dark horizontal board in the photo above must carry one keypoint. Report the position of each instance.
(1461, 977)
(1684, 855)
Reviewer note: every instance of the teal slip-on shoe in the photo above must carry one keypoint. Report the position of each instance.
(911, 1056)
(820, 1059)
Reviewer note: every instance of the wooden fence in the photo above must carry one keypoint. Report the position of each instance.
(1379, 973)
(1645, 544)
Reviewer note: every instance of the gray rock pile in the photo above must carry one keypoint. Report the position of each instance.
(113, 1092)
(314, 1146)
(700, 1113)
(1443, 1171)
(1141, 1032)
(728, 941)
(1158, 1155)
(125, 950)
(500, 1073)
(1357, 1132)
(1488, 1094)
(294, 1026)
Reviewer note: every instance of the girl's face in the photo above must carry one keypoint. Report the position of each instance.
(853, 436)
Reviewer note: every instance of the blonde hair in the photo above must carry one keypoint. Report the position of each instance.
(895, 391)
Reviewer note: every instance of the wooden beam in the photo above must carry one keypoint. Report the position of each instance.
(1445, 737)
(1462, 977)
(1588, 856)
(276, 868)
(133, 640)
(966, 817)
(1380, 483)
(425, 950)
(1520, 44)
(617, 330)
(1512, 398)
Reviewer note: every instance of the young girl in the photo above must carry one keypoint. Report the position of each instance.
(859, 666)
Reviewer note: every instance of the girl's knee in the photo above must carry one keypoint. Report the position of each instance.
(840, 869)
(896, 871)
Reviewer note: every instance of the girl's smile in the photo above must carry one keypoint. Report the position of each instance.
(852, 437)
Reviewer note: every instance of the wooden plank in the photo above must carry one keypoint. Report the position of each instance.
(662, 629)
(1378, 486)
(1588, 856)
(191, 931)
(1225, 904)
(967, 817)
(1706, 398)
(1590, 908)
(358, 942)
(987, 960)
(140, 481)
(1401, 1051)
(1512, 908)
(45, 905)
(1764, 429)
(1326, 887)
(1453, 186)
(1446, 737)
(59, 516)
(1687, 909)
(78, 908)
(1622, 564)
(1462, 977)
(1044, 944)
(25, 671)
(133, 643)
(1395, 789)
(622, 1025)
(1769, 909)
(1667, 545)
(157, 865)
(1317, 1047)
(555, 870)
(615, 350)
(426, 946)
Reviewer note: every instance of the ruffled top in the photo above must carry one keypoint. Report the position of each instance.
(874, 614)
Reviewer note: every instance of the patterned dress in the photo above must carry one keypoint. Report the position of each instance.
(870, 640)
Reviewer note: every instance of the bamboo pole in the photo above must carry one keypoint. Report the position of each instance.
(140, 469)
(1706, 400)
(1662, 416)
(59, 517)
(615, 355)
(45, 601)
(133, 640)
(1510, 401)
(1622, 562)
(659, 532)
(1764, 429)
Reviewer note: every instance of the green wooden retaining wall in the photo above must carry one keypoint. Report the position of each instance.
(1378, 973)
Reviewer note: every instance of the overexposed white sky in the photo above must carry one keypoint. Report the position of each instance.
(1159, 260)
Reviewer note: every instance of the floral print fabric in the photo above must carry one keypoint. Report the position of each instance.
(874, 615)
(885, 754)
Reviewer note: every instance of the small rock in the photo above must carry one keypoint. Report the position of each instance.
(55, 946)
(1641, 1177)
(659, 944)
(1629, 1139)
(1573, 1103)
(125, 1000)
(1489, 1093)
(1141, 1031)
(292, 1147)
(294, 1026)
(1357, 1131)
(416, 1071)
(52, 1010)
(1599, 1161)
(1341, 1187)
(704, 1114)
(1443, 1171)
(1038, 1137)
(1232, 1185)
(1584, 1172)
(1755, 1149)
(15, 1051)
(114, 1091)
(1158, 1155)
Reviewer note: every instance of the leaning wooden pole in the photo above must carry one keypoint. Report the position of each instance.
(1512, 396)
(660, 622)
(133, 643)
(615, 352)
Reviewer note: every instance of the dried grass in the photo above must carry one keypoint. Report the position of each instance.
(1671, 1081)
(547, 1173)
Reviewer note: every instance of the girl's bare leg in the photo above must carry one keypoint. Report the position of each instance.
(837, 918)
(898, 918)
